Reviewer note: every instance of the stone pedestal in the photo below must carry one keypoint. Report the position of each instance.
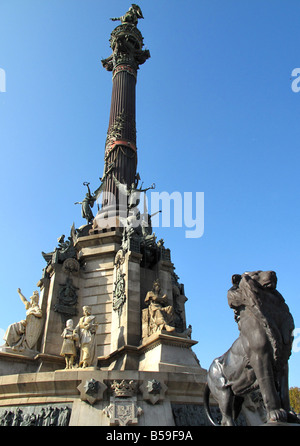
(168, 353)
(101, 404)
(113, 282)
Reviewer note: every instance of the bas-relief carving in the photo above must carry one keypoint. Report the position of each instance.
(91, 390)
(153, 390)
(23, 335)
(116, 130)
(123, 409)
(67, 299)
(259, 357)
(119, 294)
(47, 415)
(195, 415)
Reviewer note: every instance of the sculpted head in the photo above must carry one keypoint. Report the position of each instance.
(87, 310)
(35, 297)
(266, 279)
(69, 323)
(156, 286)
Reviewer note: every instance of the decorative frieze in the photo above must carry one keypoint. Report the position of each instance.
(45, 415)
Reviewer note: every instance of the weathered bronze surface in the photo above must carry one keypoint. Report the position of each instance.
(127, 55)
(258, 359)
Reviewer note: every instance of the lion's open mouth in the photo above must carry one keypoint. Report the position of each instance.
(270, 284)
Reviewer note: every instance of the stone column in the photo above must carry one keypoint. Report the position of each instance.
(120, 148)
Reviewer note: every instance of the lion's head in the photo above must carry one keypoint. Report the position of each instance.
(266, 279)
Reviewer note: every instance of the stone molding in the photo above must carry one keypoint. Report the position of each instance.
(64, 385)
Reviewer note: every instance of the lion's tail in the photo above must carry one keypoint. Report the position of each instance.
(206, 405)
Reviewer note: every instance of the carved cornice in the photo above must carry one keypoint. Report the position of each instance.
(167, 339)
(151, 342)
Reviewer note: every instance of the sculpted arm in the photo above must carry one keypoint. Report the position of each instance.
(23, 298)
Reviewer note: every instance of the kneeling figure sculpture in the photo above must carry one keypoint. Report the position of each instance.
(258, 359)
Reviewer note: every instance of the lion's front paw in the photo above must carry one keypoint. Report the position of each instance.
(277, 415)
(293, 418)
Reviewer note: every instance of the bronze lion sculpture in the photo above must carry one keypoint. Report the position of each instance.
(258, 359)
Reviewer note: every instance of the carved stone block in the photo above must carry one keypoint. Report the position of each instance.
(153, 391)
(123, 411)
(91, 390)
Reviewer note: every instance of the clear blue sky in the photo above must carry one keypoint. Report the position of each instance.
(215, 114)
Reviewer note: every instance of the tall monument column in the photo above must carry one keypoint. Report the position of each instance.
(120, 148)
(107, 344)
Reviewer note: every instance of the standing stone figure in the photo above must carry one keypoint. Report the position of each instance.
(68, 349)
(86, 331)
(24, 334)
(64, 416)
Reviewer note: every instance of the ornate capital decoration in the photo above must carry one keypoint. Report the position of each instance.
(126, 41)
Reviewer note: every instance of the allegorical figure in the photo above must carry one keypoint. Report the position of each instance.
(86, 204)
(86, 331)
(68, 349)
(130, 195)
(24, 334)
(160, 313)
